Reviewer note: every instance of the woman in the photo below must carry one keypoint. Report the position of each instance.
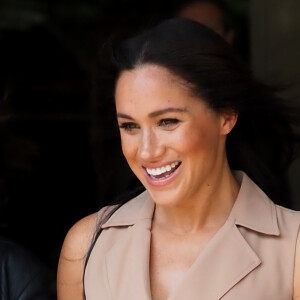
(189, 113)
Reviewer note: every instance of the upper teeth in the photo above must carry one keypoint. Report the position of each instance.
(164, 169)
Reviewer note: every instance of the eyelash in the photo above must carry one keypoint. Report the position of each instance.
(128, 126)
(166, 123)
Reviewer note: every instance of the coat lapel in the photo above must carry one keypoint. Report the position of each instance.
(225, 261)
(228, 258)
(128, 261)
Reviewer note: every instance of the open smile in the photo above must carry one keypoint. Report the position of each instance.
(163, 172)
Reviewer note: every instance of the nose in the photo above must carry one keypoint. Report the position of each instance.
(151, 146)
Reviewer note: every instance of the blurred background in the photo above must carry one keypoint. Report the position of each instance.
(49, 176)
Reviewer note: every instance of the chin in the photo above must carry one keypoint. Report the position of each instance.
(164, 198)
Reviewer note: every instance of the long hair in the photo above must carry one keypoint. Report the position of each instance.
(262, 143)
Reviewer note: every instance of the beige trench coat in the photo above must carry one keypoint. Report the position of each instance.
(251, 257)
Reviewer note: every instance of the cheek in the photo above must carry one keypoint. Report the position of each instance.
(198, 141)
(192, 144)
(128, 147)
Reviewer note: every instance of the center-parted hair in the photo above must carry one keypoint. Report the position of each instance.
(262, 142)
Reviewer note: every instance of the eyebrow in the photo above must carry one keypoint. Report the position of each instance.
(156, 113)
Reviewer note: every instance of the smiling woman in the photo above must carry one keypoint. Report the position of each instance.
(162, 124)
(189, 114)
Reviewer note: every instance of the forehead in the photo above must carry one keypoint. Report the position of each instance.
(151, 72)
(149, 76)
(150, 87)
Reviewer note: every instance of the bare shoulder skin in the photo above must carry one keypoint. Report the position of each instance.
(72, 259)
(297, 271)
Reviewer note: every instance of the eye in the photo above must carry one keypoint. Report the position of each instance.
(128, 126)
(168, 123)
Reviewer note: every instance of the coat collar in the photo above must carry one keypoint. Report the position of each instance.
(138, 209)
(252, 209)
(226, 259)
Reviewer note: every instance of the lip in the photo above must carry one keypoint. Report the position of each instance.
(163, 181)
(160, 165)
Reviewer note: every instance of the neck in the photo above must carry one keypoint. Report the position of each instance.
(208, 212)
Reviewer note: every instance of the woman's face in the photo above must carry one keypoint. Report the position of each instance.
(172, 141)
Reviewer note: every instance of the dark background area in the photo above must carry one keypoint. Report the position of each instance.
(49, 177)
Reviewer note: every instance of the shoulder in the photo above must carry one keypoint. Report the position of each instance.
(288, 216)
(289, 223)
(290, 219)
(297, 270)
(79, 237)
(72, 258)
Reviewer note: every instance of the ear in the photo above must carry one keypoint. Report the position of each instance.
(228, 120)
